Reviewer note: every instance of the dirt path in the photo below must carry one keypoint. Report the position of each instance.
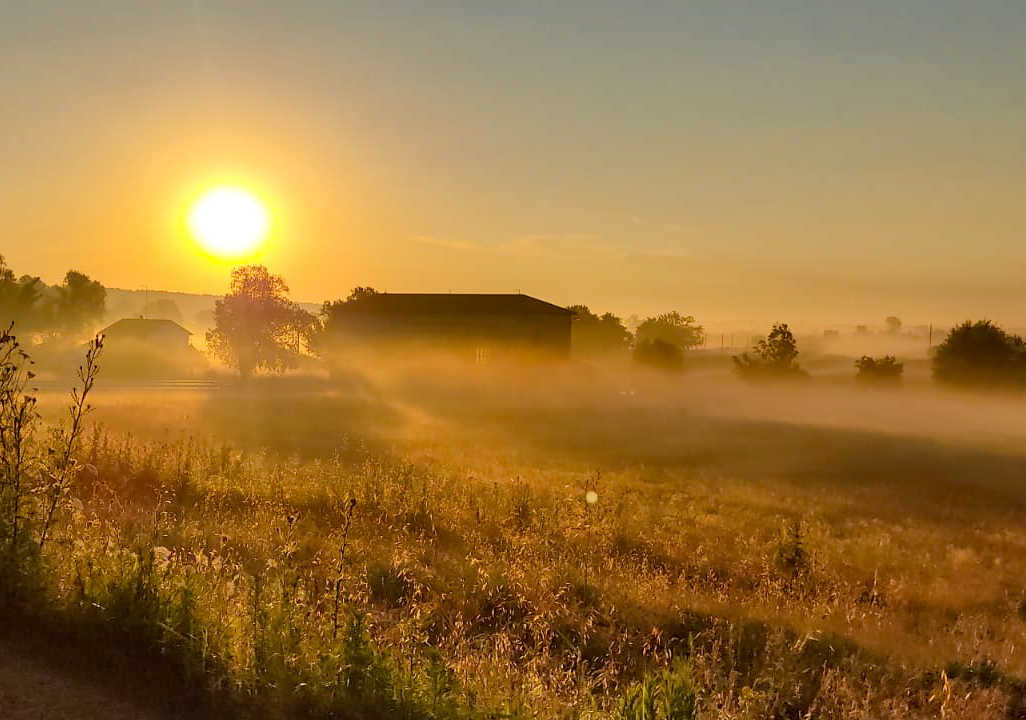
(29, 690)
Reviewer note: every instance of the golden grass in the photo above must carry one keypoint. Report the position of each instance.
(471, 539)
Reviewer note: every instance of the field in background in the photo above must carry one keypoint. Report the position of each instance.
(811, 547)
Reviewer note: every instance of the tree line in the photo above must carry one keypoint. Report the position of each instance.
(35, 307)
(257, 327)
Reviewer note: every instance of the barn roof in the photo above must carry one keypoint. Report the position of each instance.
(141, 327)
(462, 303)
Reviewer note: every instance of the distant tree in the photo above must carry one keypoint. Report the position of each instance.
(659, 354)
(673, 328)
(893, 324)
(881, 370)
(256, 326)
(360, 292)
(776, 355)
(80, 303)
(332, 322)
(21, 300)
(593, 333)
(980, 354)
(162, 309)
(861, 329)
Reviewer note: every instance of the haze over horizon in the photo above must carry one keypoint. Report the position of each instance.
(744, 161)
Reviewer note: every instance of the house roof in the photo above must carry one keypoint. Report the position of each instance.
(464, 303)
(140, 327)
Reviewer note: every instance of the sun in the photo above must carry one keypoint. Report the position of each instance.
(229, 222)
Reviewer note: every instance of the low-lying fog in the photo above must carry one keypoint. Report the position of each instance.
(405, 397)
(587, 393)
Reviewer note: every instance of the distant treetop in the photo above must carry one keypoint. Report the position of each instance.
(595, 334)
(257, 325)
(672, 328)
(776, 355)
(980, 354)
(360, 292)
(880, 370)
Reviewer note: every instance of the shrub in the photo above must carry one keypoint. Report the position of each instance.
(666, 695)
(792, 557)
(883, 370)
(598, 334)
(659, 354)
(980, 354)
(388, 584)
(776, 355)
(672, 328)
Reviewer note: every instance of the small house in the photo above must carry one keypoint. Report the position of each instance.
(149, 349)
(157, 334)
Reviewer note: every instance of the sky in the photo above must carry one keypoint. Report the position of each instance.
(746, 162)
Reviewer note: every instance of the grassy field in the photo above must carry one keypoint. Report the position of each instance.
(419, 544)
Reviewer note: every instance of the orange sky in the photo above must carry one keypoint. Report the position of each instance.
(743, 164)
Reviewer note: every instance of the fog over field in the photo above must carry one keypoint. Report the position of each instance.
(576, 360)
(561, 524)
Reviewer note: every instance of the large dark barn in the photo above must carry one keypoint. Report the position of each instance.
(479, 323)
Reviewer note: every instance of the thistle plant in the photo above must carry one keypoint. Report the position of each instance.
(18, 417)
(64, 466)
(350, 507)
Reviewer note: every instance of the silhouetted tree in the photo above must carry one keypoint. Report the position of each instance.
(162, 309)
(776, 355)
(893, 324)
(81, 302)
(593, 333)
(980, 354)
(331, 309)
(673, 328)
(21, 300)
(882, 370)
(359, 292)
(332, 320)
(256, 326)
(659, 354)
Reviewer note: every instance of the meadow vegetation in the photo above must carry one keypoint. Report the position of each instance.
(421, 544)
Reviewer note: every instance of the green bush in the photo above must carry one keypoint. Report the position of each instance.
(881, 370)
(775, 356)
(659, 354)
(980, 354)
(666, 695)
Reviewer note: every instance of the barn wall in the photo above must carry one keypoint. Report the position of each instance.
(547, 332)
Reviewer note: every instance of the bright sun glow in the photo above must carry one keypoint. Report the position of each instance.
(229, 222)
